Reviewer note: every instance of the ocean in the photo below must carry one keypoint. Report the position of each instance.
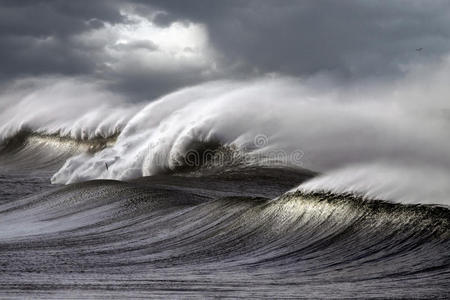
(194, 196)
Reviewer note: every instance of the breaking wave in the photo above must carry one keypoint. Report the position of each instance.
(27, 149)
(279, 121)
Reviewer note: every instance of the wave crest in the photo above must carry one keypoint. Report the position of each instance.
(272, 120)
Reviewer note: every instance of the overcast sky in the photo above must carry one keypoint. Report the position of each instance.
(146, 48)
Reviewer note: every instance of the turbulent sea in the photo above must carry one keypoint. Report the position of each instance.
(131, 203)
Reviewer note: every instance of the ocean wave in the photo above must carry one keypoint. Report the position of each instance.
(269, 121)
(69, 108)
(228, 228)
(31, 150)
(406, 183)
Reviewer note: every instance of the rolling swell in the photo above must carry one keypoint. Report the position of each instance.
(28, 159)
(28, 149)
(230, 234)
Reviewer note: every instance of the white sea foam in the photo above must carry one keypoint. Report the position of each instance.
(69, 107)
(415, 183)
(383, 140)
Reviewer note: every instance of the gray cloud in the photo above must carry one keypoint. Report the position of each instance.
(42, 18)
(35, 35)
(148, 45)
(353, 38)
(350, 39)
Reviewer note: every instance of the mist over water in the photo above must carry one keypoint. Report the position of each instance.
(68, 107)
(382, 140)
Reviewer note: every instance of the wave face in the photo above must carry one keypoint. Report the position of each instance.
(234, 234)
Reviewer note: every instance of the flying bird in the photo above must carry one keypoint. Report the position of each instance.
(419, 49)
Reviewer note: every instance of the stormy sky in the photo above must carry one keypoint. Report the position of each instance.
(143, 49)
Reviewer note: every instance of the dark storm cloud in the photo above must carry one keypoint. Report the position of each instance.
(351, 39)
(42, 18)
(35, 35)
(42, 37)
